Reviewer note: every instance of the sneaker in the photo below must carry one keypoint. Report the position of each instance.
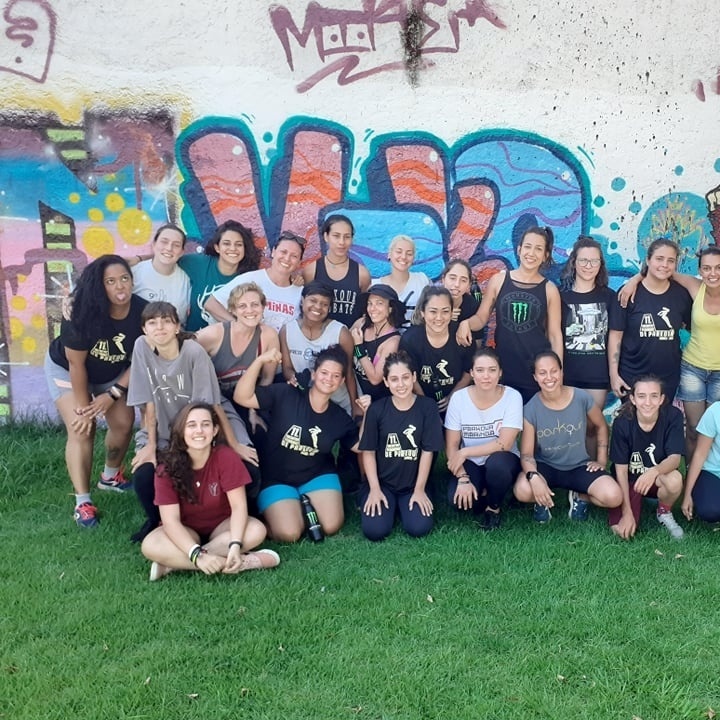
(578, 508)
(541, 513)
(86, 515)
(260, 560)
(671, 525)
(158, 571)
(491, 521)
(118, 483)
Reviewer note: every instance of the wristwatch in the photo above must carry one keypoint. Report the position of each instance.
(530, 473)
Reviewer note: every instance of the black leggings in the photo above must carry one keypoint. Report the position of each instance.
(414, 523)
(706, 497)
(495, 478)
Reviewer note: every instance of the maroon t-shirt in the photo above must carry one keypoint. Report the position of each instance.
(224, 471)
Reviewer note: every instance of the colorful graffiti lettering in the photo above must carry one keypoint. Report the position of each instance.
(27, 39)
(346, 39)
(71, 193)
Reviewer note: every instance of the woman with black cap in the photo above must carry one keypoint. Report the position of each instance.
(376, 335)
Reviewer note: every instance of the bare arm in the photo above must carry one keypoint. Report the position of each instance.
(702, 450)
(619, 386)
(270, 341)
(365, 278)
(554, 319)
(690, 283)
(210, 338)
(597, 419)
(215, 309)
(627, 526)
(308, 272)
(245, 389)
(288, 370)
(480, 319)
(346, 343)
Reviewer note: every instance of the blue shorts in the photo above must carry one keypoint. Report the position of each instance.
(578, 479)
(275, 493)
(58, 381)
(698, 385)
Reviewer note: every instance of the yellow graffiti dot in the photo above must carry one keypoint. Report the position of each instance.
(134, 226)
(96, 214)
(18, 302)
(22, 278)
(114, 202)
(38, 322)
(29, 345)
(74, 198)
(16, 329)
(98, 241)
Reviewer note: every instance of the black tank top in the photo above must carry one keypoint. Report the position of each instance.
(346, 291)
(521, 333)
(371, 348)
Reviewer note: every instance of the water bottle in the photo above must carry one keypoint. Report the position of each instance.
(312, 524)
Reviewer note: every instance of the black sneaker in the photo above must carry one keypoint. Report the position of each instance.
(491, 521)
(143, 532)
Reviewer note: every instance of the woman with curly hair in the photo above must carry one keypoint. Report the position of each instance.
(87, 368)
(200, 490)
(230, 252)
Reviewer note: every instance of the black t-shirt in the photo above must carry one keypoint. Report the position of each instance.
(439, 370)
(585, 331)
(109, 344)
(299, 441)
(640, 450)
(651, 341)
(398, 437)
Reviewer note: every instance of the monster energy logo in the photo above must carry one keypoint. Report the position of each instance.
(520, 311)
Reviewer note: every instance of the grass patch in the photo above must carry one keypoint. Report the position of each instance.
(559, 621)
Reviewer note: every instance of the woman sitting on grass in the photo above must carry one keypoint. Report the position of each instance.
(296, 457)
(646, 448)
(200, 489)
(482, 424)
(553, 453)
(400, 435)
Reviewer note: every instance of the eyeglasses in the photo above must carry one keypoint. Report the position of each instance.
(588, 262)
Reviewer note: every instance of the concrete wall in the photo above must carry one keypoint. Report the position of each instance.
(458, 122)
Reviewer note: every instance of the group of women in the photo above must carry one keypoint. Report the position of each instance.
(382, 368)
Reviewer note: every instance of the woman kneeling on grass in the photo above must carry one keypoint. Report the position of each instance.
(296, 456)
(702, 484)
(200, 489)
(400, 435)
(482, 424)
(553, 453)
(646, 448)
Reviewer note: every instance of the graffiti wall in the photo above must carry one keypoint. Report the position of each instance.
(459, 123)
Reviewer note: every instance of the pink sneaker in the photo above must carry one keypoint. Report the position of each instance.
(260, 560)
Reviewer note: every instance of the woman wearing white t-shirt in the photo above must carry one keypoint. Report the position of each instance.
(481, 427)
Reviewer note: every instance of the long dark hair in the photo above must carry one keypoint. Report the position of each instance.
(567, 277)
(251, 257)
(90, 302)
(547, 234)
(628, 409)
(177, 462)
(163, 309)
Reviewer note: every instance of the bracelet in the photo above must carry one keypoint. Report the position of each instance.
(235, 542)
(463, 482)
(359, 352)
(194, 554)
(109, 392)
(120, 388)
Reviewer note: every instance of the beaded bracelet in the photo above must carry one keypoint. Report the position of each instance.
(235, 542)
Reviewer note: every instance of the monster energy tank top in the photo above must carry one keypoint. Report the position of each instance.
(521, 315)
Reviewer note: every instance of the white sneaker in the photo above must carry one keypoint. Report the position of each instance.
(671, 525)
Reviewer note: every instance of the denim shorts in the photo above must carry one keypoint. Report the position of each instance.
(58, 381)
(697, 385)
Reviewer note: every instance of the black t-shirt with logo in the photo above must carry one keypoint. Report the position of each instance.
(109, 343)
(398, 437)
(438, 370)
(299, 441)
(651, 341)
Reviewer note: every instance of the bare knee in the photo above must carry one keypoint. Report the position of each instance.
(522, 490)
(605, 492)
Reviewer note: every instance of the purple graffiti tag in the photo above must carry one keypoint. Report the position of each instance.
(698, 87)
(356, 34)
(26, 45)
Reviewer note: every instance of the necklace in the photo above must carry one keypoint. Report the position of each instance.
(334, 263)
(378, 331)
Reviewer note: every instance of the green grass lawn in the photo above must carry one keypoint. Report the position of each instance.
(557, 621)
